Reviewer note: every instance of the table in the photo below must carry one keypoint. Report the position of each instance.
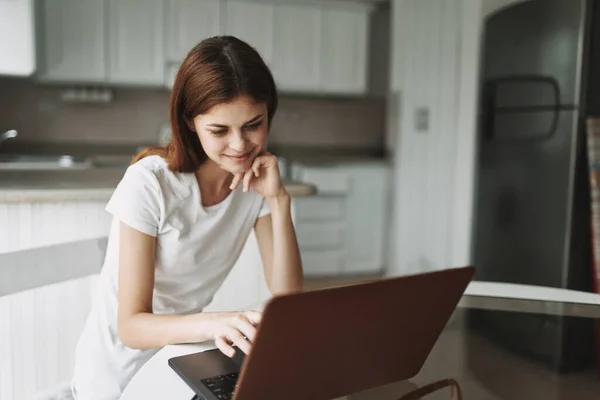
(472, 360)
(156, 380)
(530, 299)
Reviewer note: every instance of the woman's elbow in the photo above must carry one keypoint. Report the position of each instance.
(127, 334)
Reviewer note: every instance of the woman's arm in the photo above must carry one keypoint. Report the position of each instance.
(279, 247)
(139, 328)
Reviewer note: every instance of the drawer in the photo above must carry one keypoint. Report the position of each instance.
(327, 180)
(320, 209)
(322, 262)
(321, 236)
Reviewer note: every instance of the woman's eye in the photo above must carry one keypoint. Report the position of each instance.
(219, 133)
(256, 125)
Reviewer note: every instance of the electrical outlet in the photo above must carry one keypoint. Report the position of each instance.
(422, 119)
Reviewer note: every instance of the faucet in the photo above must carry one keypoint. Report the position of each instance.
(10, 134)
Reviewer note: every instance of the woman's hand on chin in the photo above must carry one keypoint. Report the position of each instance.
(262, 177)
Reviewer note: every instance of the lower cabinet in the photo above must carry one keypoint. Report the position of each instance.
(342, 229)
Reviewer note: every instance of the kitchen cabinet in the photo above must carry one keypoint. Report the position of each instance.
(314, 48)
(343, 58)
(366, 224)
(71, 44)
(136, 47)
(253, 23)
(296, 47)
(189, 22)
(17, 38)
(342, 229)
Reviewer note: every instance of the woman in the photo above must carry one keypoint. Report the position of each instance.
(182, 215)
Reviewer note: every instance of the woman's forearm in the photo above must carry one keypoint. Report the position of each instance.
(151, 331)
(286, 272)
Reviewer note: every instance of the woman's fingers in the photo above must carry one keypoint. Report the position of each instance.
(237, 178)
(225, 347)
(247, 178)
(239, 331)
(239, 340)
(253, 316)
(256, 169)
(245, 327)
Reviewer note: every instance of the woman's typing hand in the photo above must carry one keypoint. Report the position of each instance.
(236, 328)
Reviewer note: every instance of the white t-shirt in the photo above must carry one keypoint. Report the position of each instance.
(196, 247)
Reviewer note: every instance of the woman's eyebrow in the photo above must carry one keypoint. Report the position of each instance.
(254, 119)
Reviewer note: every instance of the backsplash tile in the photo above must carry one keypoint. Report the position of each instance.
(135, 116)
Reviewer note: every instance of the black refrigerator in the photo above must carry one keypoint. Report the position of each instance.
(531, 193)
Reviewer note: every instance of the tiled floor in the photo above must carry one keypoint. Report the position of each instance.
(485, 370)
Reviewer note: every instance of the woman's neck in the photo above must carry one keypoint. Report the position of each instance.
(213, 180)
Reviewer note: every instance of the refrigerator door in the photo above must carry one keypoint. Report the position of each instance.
(528, 137)
(537, 37)
(523, 199)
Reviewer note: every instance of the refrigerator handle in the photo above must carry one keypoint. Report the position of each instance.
(555, 108)
(490, 109)
(489, 106)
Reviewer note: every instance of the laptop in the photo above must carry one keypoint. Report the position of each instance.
(333, 342)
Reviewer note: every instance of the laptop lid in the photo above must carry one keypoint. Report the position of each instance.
(333, 342)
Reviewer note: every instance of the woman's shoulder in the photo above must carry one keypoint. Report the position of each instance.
(158, 167)
(154, 171)
(153, 164)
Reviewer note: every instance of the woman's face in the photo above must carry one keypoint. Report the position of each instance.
(233, 134)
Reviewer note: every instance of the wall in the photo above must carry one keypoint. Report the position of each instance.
(135, 116)
(435, 68)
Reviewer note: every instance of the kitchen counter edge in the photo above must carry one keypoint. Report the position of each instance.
(83, 194)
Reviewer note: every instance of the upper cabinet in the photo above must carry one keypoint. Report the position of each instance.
(71, 34)
(136, 31)
(253, 23)
(317, 48)
(296, 47)
(343, 57)
(188, 22)
(17, 38)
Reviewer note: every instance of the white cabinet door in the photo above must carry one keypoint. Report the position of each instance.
(17, 41)
(366, 225)
(322, 262)
(344, 233)
(73, 41)
(296, 47)
(253, 23)
(188, 23)
(344, 50)
(136, 31)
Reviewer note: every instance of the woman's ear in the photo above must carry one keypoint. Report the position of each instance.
(190, 124)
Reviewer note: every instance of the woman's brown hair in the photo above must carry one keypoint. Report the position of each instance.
(217, 70)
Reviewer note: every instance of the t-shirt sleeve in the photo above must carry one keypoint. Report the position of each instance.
(264, 208)
(137, 200)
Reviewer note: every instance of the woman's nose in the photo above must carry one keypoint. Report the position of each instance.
(237, 142)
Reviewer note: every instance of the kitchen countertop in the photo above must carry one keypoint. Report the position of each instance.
(95, 184)
(98, 183)
(292, 153)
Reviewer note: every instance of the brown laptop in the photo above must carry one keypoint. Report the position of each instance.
(328, 343)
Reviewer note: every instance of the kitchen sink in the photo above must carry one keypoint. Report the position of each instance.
(43, 162)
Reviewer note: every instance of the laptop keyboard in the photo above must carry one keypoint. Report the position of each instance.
(222, 386)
